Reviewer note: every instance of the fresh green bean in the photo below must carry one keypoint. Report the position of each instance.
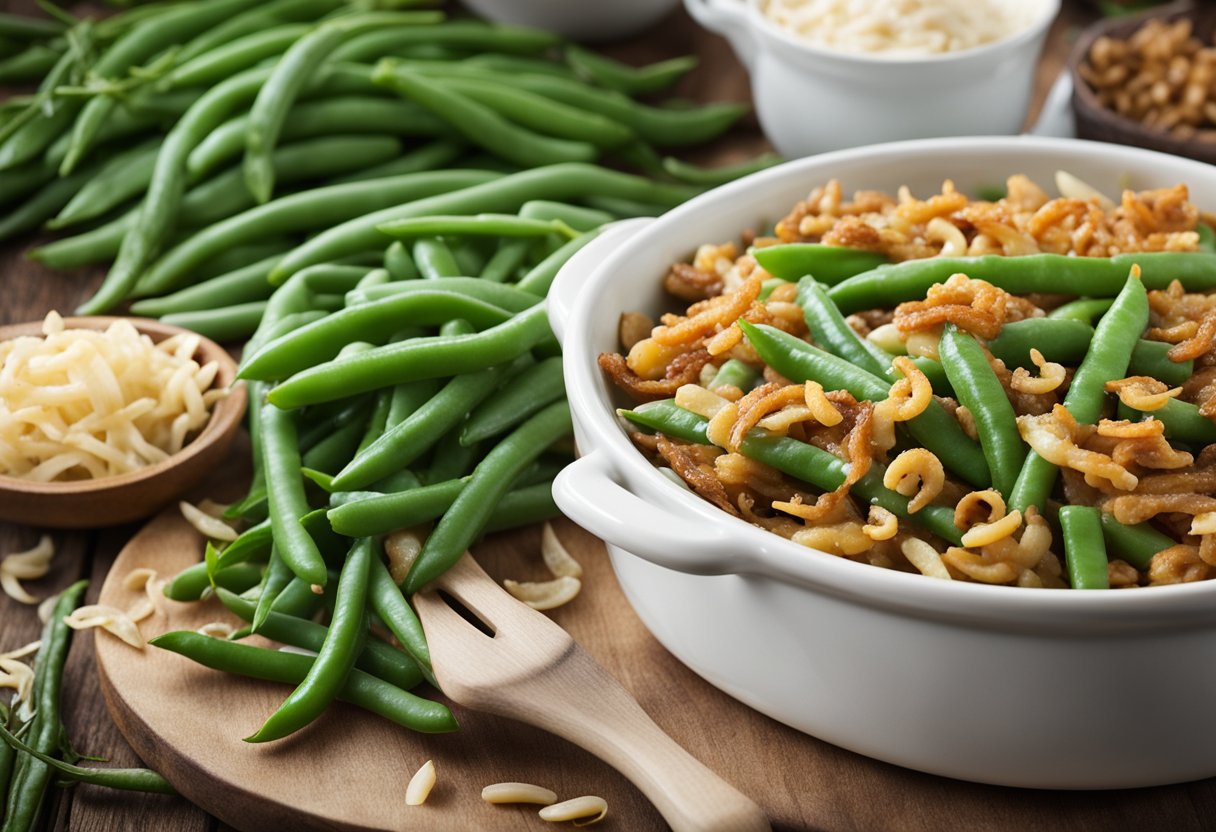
(1084, 549)
(508, 297)
(377, 658)
(375, 322)
(541, 277)
(121, 178)
(981, 392)
(712, 177)
(461, 34)
(239, 54)
(137, 45)
(623, 78)
(24, 28)
(193, 581)
(436, 154)
(277, 577)
(291, 73)
(535, 388)
(492, 225)
(359, 689)
(20, 182)
(397, 448)
(434, 259)
(28, 65)
(281, 458)
(242, 285)
(44, 204)
(257, 19)
(506, 261)
(575, 216)
(1084, 276)
(1109, 354)
(343, 642)
(228, 323)
(31, 776)
(468, 515)
(364, 511)
(450, 459)
(327, 118)
(540, 114)
(481, 125)
(123, 779)
(505, 194)
(659, 126)
(414, 359)
(934, 428)
(387, 602)
(304, 210)
(159, 211)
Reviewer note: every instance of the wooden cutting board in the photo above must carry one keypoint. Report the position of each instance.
(348, 771)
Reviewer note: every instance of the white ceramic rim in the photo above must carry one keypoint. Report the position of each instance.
(1014, 607)
(1051, 8)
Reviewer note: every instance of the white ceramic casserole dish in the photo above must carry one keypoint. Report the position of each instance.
(1021, 687)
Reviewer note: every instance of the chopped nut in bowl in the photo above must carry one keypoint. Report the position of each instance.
(1150, 81)
(105, 420)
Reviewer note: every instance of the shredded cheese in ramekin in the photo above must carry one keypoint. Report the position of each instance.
(83, 403)
(901, 27)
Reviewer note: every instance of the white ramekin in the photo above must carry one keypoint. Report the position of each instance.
(592, 22)
(811, 100)
(1021, 687)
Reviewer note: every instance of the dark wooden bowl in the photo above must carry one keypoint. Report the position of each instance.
(108, 501)
(1093, 121)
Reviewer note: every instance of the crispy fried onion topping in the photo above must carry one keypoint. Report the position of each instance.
(693, 466)
(987, 506)
(685, 368)
(857, 447)
(1003, 558)
(916, 473)
(1054, 435)
(710, 315)
(1179, 565)
(971, 304)
(1142, 392)
(1130, 509)
(1051, 376)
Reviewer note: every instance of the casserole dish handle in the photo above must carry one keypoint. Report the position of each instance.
(579, 268)
(727, 18)
(588, 493)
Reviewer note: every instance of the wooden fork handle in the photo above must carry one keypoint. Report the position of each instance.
(600, 716)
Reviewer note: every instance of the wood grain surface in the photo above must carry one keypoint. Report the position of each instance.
(804, 783)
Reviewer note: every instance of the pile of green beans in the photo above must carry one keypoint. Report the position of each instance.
(377, 198)
(167, 128)
(32, 733)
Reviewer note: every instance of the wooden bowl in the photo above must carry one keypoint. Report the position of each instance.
(1093, 121)
(108, 501)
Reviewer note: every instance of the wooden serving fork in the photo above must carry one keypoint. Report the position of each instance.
(533, 671)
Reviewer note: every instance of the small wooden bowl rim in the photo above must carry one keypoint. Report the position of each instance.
(1087, 106)
(225, 413)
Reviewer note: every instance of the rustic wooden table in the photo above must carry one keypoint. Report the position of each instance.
(826, 788)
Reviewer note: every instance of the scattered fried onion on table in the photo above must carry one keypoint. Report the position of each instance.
(1129, 469)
